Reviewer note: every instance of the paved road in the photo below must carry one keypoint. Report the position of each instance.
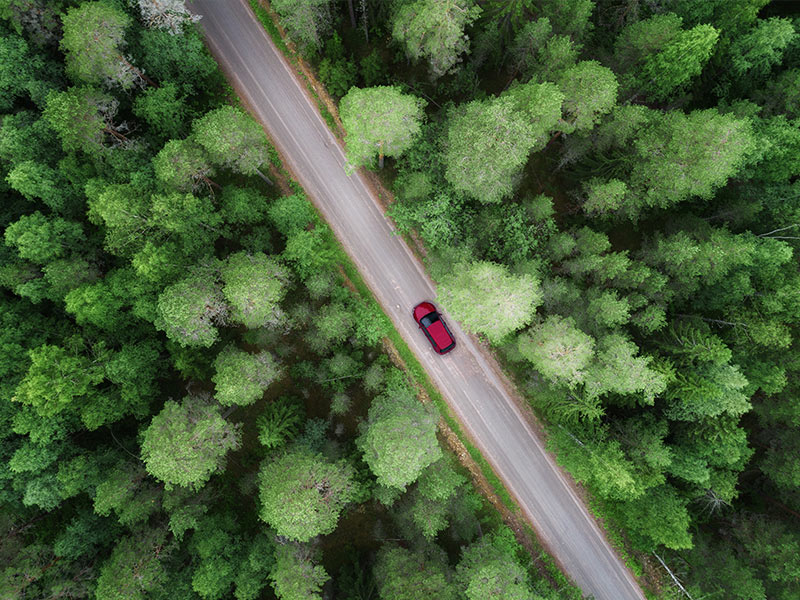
(465, 376)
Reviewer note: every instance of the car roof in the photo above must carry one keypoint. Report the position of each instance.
(439, 334)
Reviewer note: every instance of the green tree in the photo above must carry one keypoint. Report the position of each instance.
(186, 443)
(134, 569)
(43, 240)
(590, 91)
(37, 181)
(183, 165)
(189, 309)
(302, 494)
(280, 421)
(558, 350)
(233, 139)
(164, 109)
(756, 52)
(379, 120)
(254, 285)
(679, 61)
(307, 21)
(296, 576)
(399, 440)
(487, 299)
(407, 575)
(81, 116)
(659, 58)
(93, 41)
(241, 377)
(56, 377)
(488, 569)
(17, 69)
(427, 29)
(488, 141)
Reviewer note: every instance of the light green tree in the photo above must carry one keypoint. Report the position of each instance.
(434, 30)
(307, 21)
(253, 286)
(81, 116)
(93, 41)
(41, 239)
(410, 575)
(590, 91)
(134, 569)
(241, 377)
(233, 139)
(55, 379)
(189, 310)
(183, 165)
(488, 299)
(296, 574)
(302, 494)
(489, 570)
(186, 443)
(399, 440)
(488, 141)
(379, 120)
(558, 350)
(682, 156)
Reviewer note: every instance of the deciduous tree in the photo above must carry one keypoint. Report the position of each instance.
(307, 21)
(409, 575)
(296, 574)
(399, 440)
(302, 494)
(233, 139)
(488, 141)
(241, 377)
(558, 349)
(254, 285)
(189, 310)
(186, 443)
(487, 299)
(434, 30)
(379, 120)
(93, 41)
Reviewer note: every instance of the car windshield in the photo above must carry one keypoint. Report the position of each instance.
(429, 319)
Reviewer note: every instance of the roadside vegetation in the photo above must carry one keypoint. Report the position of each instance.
(195, 399)
(615, 182)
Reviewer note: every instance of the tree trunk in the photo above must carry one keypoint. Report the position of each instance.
(380, 156)
(352, 14)
(364, 10)
(264, 177)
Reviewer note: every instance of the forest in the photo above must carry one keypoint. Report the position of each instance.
(189, 407)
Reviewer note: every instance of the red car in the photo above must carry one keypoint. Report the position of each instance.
(434, 327)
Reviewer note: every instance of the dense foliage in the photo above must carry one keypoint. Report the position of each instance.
(188, 405)
(193, 402)
(608, 194)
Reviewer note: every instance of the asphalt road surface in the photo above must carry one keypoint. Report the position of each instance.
(465, 376)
